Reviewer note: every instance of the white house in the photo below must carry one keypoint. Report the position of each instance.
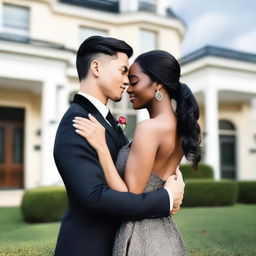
(224, 82)
(38, 42)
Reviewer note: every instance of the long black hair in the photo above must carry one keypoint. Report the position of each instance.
(162, 67)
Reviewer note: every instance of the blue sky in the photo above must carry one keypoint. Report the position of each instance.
(224, 23)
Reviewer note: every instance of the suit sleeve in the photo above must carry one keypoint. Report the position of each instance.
(83, 176)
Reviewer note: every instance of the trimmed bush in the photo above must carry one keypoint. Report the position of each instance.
(202, 192)
(203, 171)
(247, 192)
(45, 204)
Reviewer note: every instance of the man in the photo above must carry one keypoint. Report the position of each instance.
(95, 211)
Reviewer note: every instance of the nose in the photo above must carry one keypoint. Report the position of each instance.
(126, 81)
(129, 89)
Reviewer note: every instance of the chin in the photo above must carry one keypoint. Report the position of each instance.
(117, 99)
(136, 107)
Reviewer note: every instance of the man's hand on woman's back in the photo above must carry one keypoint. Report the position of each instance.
(176, 185)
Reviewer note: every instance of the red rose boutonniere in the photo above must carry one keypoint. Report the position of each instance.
(122, 122)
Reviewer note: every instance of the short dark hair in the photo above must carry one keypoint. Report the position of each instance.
(95, 45)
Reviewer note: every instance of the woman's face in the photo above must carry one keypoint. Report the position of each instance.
(141, 89)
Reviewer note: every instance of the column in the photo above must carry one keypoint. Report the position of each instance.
(63, 92)
(212, 154)
(162, 6)
(49, 173)
(253, 107)
(253, 150)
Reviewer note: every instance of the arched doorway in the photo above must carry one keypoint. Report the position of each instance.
(11, 147)
(228, 162)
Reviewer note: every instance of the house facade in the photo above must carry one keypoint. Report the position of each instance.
(224, 83)
(38, 43)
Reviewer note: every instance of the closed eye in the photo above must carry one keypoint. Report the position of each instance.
(134, 83)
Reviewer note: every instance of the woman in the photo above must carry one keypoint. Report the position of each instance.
(174, 132)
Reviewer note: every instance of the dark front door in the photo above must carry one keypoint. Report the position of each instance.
(11, 152)
(228, 156)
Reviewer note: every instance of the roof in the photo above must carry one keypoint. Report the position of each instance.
(218, 52)
(109, 6)
(113, 6)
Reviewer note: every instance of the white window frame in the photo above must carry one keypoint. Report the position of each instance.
(142, 48)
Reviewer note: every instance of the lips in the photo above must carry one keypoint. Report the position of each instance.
(132, 97)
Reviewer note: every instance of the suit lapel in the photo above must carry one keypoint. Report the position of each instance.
(89, 107)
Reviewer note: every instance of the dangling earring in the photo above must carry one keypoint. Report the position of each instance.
(159, 96)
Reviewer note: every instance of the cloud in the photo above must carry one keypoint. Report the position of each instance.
(209, 28)
(245, 41)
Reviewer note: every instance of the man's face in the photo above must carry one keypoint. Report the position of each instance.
(114, 76)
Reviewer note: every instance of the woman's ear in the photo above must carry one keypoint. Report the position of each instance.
(95, 68)
(158, 86)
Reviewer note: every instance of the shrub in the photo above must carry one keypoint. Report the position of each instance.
(247, 192)
(203, 171)
(44, 204)
(204, 192)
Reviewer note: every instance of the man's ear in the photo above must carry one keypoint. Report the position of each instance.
(95, 68)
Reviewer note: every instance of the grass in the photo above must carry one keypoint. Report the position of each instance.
(23, 239)
(217, 231)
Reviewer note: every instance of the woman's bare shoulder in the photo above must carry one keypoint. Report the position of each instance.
(149, 125)
(155, 124)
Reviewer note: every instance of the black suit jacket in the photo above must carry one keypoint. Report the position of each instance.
(95, 211)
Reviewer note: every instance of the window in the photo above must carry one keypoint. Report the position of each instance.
(147, 5)
(226, 125)
(18, 145)
(148, 40)
(85, 32)
(15, 20)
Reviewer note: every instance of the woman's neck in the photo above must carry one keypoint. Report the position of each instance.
(156, 108)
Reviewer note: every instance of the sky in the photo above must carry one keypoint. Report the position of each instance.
(224, 23)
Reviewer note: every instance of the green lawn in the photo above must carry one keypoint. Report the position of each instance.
(217, 231)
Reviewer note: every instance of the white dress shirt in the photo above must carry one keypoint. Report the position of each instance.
(102, 108)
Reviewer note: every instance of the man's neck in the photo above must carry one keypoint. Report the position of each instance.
(102, 108)
(92, 90)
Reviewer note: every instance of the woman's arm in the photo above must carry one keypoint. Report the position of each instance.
(83, 176)
(94, 133)
(111, 174)
(141, 156)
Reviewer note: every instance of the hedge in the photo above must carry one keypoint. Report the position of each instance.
(45, 204)
(48, 204)
(203, 171)
(247, 192)
(202, 192)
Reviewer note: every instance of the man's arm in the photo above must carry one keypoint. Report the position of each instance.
(79, 167)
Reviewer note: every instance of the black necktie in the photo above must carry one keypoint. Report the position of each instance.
(111, 119)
